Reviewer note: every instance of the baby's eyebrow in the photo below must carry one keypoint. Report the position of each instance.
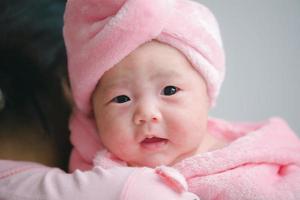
(115, 84)
(164, 74)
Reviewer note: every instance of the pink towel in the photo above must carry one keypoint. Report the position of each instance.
(261, 162)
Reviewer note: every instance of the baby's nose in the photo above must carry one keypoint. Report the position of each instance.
(146, 114)
(142, 120)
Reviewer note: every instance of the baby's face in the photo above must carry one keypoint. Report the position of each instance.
(151, 109)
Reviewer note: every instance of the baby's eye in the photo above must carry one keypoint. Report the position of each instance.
(121, 99)
(170, 90)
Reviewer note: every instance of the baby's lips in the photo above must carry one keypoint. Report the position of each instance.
(153, 140)
(176, 181)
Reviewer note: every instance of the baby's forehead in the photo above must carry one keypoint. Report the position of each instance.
(154, 56)
(151, 61)
(132, 74)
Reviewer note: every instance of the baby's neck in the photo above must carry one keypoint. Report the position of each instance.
(210, 143)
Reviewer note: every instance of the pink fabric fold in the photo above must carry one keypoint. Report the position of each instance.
(263, 162)
(272, 142)
(85, 139)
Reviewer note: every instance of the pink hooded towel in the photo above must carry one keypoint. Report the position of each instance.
(262, 160)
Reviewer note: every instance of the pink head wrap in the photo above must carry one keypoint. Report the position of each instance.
(100, 33)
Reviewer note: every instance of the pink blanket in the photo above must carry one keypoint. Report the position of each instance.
(262, 161)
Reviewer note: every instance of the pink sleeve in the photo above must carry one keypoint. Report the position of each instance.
(24, 180)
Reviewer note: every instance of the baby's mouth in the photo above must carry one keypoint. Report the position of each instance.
(154, 143)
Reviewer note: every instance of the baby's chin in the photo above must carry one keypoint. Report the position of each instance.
(151, 163)
(159, 159)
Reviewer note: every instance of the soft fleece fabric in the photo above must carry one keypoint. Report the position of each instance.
(261, 162)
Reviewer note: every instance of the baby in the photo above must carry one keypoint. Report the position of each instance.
(144, 76)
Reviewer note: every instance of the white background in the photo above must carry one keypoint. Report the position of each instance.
(262, 44)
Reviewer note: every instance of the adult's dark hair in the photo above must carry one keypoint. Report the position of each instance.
(32, 68)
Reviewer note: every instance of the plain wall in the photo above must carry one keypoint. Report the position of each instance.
(262, 44)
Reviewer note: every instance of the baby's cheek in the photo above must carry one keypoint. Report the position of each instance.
(118, 135)
(110, 122)
(125, 150)
(178, 129)
(186, 128)
(109, 132)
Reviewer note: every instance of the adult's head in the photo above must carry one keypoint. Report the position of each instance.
(32, 68)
